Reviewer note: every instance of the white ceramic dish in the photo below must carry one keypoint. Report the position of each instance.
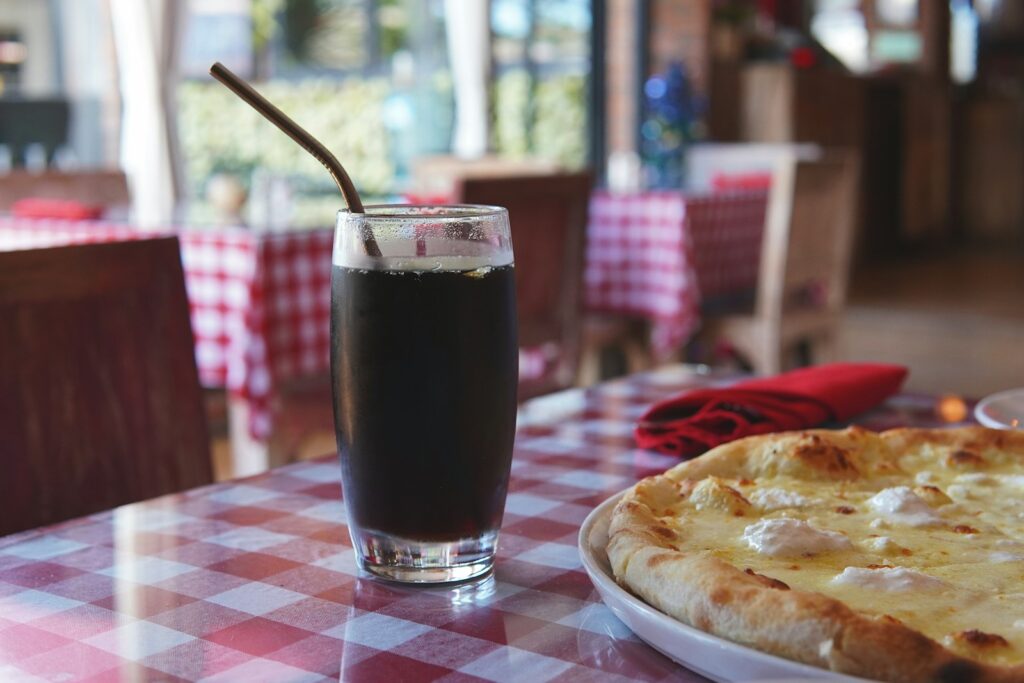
(1004, 410)
(708, 655)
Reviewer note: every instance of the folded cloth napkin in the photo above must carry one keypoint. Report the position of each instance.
(695, 421)
(40, 207)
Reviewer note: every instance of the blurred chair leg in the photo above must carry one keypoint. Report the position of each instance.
(601, 332)
(248, 456)
(772, 361)
(304, 420)
(636, 346)
(766, 354)
(590, 365)
(282, 447)
(826, 348)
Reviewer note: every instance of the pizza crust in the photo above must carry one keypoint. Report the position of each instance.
(650, 558)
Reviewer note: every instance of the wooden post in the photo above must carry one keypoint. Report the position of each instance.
(935, 21)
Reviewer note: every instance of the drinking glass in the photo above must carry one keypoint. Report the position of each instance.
(424, 364)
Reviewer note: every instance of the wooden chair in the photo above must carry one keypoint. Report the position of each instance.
(804, 271)
(548, 215)
(629, 336)
(100, 403)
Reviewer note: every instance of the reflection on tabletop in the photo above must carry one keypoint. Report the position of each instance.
(256, 577)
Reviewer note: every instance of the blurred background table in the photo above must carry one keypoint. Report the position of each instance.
(660, 255)
(256, 578)
(260, 301)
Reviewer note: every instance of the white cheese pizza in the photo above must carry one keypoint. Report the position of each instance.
(896, 556)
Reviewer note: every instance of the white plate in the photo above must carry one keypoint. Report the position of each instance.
(1004, 410)
(717, 658)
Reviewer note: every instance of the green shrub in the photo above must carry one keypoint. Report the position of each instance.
(220, 133)
(555, 129)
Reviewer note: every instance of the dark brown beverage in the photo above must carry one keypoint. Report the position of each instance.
(424, 365)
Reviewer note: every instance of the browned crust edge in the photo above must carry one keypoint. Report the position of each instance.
(718, 597)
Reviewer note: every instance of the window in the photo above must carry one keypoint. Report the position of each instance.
(542, 64)
(370, 78)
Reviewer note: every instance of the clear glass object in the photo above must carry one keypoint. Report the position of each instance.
(424, 364)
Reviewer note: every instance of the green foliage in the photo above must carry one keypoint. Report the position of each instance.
(560, 129)
(555, 129)
(220, 133)
(511, 95)
(264, 22)
(394, 26)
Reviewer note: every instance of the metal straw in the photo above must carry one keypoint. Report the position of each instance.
(301, 136)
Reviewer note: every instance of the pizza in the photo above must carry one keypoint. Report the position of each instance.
(896, 556)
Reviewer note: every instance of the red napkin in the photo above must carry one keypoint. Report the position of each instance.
(695, 421)
(39, 207)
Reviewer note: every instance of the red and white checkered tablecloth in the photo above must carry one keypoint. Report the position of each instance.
(657, 254)
(726, 230)
(260, 303)
(255, 580)
(260, 311)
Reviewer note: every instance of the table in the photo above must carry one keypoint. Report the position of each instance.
(260, 302)
(255, 579)
(659, 255)
(260, 308)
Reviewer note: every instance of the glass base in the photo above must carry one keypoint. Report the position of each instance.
(424, 562)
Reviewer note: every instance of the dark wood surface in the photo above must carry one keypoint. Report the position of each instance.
(548, 216)
(100, 402)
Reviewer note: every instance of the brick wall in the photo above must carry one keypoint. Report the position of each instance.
(679, 30)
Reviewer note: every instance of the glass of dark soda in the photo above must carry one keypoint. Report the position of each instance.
(424, 363)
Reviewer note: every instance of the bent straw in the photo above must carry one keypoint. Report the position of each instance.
(299, 135)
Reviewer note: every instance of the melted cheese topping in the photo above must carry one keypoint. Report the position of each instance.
(883, 545)
(889, 579)
(769, 499)
(916, 535)
(902, 506)
(792, 537)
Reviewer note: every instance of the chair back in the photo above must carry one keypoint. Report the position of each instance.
(548, 217)
(808, 239)
(100, 403)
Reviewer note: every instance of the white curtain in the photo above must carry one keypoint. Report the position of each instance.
(468, 27)
(146, 36)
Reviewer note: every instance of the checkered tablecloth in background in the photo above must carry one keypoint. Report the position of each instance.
(656, 254)
(255, 580)
(260, 303)
(725, 230)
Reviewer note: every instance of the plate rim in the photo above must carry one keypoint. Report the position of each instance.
(987, 421)
(606, 582)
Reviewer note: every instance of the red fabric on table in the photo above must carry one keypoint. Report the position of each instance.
(741, 181)
(38, 207)
(696, 421)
